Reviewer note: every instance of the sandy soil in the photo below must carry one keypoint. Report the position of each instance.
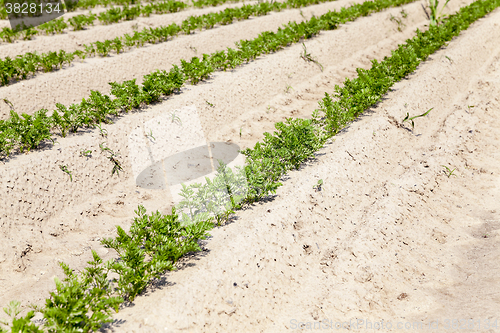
(389, 238)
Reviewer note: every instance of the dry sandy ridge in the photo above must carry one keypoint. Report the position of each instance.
(328, 254)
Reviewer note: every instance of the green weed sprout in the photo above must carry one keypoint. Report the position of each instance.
(103, 149)
(270, 108)
(9, 103)
(86, 153)
(407, 118)
(176, 119)
(307, 57)
(102, 131)
(117, 167)
(436, 15)
(448, 172)
(113, 158)
(65, 169)
(288, 88)
(210, 104)
(150, 135)
(399, 21)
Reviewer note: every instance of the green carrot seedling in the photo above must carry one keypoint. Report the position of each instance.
(13, 309)
(23, 324)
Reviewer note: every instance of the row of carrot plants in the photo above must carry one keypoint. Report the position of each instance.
(131, 10)
(72, 5)
(210, 3)
(22, 66)
(113, 15)
(79, 22)
(84, 301)
(26, 132)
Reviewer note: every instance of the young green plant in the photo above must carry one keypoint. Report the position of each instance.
(175, 119)
(408, 118)
(399, 21)
(86, 153)
(150, 135)
(448, 171)
(113, 158)
(270, 108)
(317, 187)
(436, 15)
(23, 324)
(9, 103)
(65, 169)
(102, 131)
(307, 57)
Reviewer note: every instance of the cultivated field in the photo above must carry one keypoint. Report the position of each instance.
(389, 222)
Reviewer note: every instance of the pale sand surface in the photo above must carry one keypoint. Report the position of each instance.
(390, 237)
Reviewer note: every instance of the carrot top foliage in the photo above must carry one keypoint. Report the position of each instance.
(23, 66)
(100, 108)
(83, 301)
